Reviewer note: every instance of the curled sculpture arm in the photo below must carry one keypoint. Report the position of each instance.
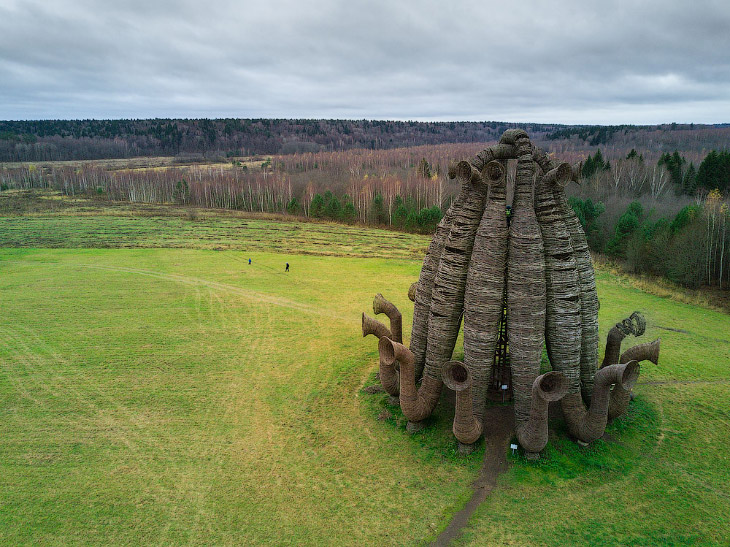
(416, 403)
(500, 151)
(388, 371)
(634, 324)
(546, 164)
(533, 434)
(643, 352)
(511, 136)
(620, 397)
(375, 327)
(589, 425)
(381, 305)
(558, 175)
(467, 427)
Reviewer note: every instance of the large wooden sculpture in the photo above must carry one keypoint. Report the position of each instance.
(539, 264)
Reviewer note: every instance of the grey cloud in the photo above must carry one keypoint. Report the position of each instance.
(560, 61)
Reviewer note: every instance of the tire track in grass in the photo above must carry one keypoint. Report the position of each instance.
(44, 362)
(18, 385)
(244, 405)
(230, 395)
(42, 368)
(245, 293)
(675, 382)
(39, 364)
(38, 370)
(214, 308)
(204, 288)
(157, 443)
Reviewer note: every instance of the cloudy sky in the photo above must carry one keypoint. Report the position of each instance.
(558, 61)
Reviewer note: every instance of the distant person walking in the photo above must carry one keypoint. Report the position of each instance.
(287, 267)
(249, 261)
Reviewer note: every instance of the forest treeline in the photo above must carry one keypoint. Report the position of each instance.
(65, 140)
(57, 140)
(412, 178)
(665, 217)
(690, 248)
(662, 213)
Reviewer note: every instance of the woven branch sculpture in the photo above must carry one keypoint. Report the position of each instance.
(540, 265)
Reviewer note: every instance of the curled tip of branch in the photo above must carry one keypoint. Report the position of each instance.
(463, 169)
(630, 375)
(560, 175)
(456, 376)
(512, 135)
(467, 171)
(375, 327)
(552, 386)
(493, 171)
(634, 324)
(379, 304)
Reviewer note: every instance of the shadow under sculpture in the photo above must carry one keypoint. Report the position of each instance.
(539, 264)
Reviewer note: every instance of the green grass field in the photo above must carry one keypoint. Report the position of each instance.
(54, 221)
(156, 389)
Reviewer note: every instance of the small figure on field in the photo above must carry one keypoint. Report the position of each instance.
(249, 261)
(287, 267)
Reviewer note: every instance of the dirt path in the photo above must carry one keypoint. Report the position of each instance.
(496, 440)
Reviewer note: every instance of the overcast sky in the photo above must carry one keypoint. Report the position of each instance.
(557, 61)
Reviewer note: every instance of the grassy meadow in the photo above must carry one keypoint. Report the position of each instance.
(156, 389)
